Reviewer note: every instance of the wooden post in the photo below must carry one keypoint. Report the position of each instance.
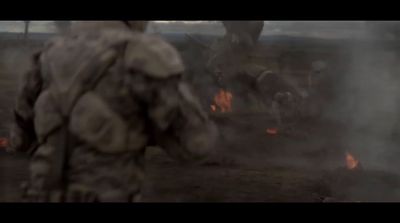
(26, 30)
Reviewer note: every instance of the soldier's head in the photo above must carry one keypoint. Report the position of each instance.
(136, 25)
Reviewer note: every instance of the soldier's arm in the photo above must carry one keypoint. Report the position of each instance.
(22, 136)
(180, 125)
(176, 120)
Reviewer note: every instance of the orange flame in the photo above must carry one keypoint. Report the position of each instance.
(272, 131)
(351, 162)
(222, 101)
(3, 142)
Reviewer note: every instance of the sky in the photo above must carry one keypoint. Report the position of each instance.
(328, 29)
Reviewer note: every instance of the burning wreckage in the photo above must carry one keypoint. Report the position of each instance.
(247, 91)
(276, 105)
(241, 86)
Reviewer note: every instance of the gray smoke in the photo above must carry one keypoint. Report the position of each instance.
(369, 105)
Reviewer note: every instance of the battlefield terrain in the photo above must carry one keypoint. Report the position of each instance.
(308, 164)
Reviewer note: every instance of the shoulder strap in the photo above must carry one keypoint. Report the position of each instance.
(84, 79)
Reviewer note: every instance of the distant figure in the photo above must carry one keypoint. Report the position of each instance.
(284, 108)
(318, 89)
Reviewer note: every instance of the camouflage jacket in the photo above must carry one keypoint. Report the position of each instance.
(92, 102)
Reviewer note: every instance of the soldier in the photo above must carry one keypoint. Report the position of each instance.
(318, 88)
(283, 107)
(92, 102)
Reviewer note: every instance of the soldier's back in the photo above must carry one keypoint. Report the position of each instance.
(99, 80)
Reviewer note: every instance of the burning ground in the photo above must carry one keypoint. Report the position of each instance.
(344, 155)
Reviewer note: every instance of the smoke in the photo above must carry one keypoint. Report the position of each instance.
(369, 105)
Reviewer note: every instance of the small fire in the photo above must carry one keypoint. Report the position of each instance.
(3, 142)
(351, 162)
(222, 101)
(272, 131)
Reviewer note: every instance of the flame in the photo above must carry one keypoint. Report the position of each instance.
(272, 131)
(222, 101)
(351, 162)
(3, 142)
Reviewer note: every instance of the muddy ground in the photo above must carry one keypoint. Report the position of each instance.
(251, 166)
